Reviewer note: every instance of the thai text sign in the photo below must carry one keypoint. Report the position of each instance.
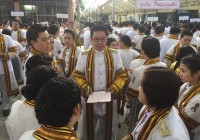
(152, 19)
(195, 20)
(17, 13)
(157, 4)
(184, 17)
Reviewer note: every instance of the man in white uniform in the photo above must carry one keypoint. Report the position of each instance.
(99, 69)
(172, 39)
(18, 34)
(133, 32)
(86, 36)
(185, 41)
(150, 52)
(53, 30)
(137, 40)
(159, 32)
(69, 55)
(8, 84)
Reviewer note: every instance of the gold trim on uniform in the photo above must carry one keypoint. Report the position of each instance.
(34, 51)
(46, 132)
(152, 61)
(30, 103)
(23, 55)
(5, 66)
(154, 119)
(172, 57)
(171, 36)
(189, 122)
(177, 70)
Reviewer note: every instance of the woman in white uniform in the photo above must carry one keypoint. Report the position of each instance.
(22, 117)
(189, 98)
(159, 119)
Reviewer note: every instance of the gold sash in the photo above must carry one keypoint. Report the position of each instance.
(89, 107)
(171, 36)
(151, 61)
(19, 39)
(189, 122)
(177, 70)
(5, 66)
(34, 51)
(172, 57)
(151, 123)
(158, 35)
(72, 60)
(30, 103)
(46, 132)
(141, 33)
(134, 93)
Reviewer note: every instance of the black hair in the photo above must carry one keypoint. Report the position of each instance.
(33, 32)
(109, 41)
(141, 29)
(161, 87)
(192, 62)
(175, 30)
(36, 60)
(56, 102)
(70, 32)
(186, 33)
(126, 40)
(91, 24)
(183, 51)
(16, 20)
(151, 46)
(135, 26)
(154, 24)
(159, 29)
(53, 29)
(147, 31)
(6, 31)
(98, 28)
(36, 78)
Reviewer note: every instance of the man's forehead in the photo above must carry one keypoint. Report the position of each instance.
(99, 34)
(43, 34)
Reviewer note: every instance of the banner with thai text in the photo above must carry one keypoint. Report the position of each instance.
(158, 4)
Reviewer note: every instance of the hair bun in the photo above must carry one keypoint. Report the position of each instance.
(28, 92)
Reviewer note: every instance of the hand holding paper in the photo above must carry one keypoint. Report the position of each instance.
(100, 96)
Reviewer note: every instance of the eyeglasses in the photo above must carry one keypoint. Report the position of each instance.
(97, 40)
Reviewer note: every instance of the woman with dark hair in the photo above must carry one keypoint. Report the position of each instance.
(127, 54)
(57, 108)
(189, 98)
(159, 119)
(184, 51)
(112, 43)
(22, 116)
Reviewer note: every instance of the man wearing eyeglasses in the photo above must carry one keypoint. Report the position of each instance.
(99, 69)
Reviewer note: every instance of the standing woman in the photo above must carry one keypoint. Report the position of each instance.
(127, 54)
(189, 98)
(112, 43)
(159, 119)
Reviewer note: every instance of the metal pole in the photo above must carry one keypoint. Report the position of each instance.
(56, 10)
(113, 10)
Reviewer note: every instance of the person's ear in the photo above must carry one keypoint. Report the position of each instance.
(197, 75)
(77, 109)
(33, 42)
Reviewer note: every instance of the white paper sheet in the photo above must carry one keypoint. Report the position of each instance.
(100, 96)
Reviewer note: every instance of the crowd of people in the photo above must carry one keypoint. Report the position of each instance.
(151, 70)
